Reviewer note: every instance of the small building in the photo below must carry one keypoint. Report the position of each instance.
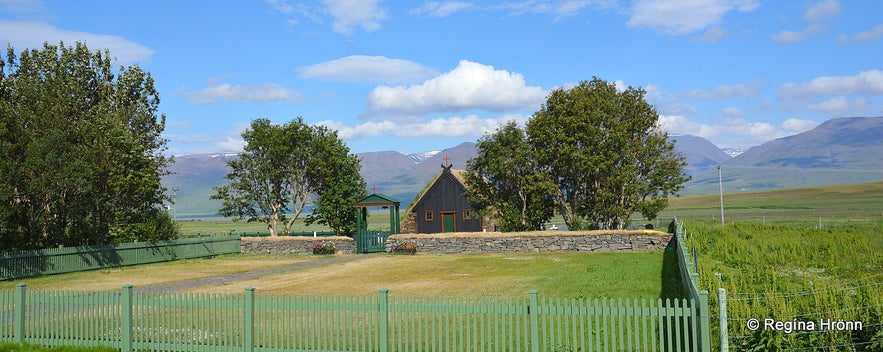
(443, 207)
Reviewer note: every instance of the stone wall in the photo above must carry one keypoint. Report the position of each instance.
(293, 244)
(525, 242)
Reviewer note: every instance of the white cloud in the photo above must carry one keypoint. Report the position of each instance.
(190, 138)
(268, 92)
(874, 34)
(735, 131)
(724, 91)
(679, 17)
(822, 11)
(866, 82)
(361, 68)
(469, 86)
(840, 106)
(32, 35)
(712, 35)
(455, 126)
(441, 9)
(732, 112)
(798, 125)
(349, 14)
(814, 15)
(22, 6)
(231, 144)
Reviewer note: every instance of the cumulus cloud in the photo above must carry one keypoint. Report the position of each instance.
(680, 17)
(732, 112)
(735, 131)
(469, 86)
(866, 82)
(362, 68)
(874, 34)
(840, 106)
(455, 126)
(350, 14)
(28, 34)
(267, 92)
(441, 9)
(798, 125)
(815, 15)
(727, 91)
(232, 144)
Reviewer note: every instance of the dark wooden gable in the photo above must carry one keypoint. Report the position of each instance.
(444, 208)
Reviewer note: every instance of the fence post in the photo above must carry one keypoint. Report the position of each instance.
(704, 323)
(127, 329)
(20, 300)
(248, 320)
(533, 309)
(722, 308)
(383, 312)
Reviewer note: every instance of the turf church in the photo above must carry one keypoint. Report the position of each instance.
(442, 207)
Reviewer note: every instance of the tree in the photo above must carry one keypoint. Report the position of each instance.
(339, 184)
(81, 151)
(505, 178)
(606, 153)
(284, 169)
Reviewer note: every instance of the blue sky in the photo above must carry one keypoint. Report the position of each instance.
(415, 76)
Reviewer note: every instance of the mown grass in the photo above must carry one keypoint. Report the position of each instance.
(790, 273)
(628, 275)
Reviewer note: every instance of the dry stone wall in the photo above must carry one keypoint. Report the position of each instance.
(293, 245)
(526, 242)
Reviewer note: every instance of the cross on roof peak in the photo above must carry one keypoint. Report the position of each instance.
(374, 189)
(447, 160)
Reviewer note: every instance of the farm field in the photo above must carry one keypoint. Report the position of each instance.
(596, 275)
(793, 274)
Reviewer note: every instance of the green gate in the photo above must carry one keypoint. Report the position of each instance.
(371, 241)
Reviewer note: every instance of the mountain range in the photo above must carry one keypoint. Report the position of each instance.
(842, 150)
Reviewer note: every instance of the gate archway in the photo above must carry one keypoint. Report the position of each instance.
(371, 241)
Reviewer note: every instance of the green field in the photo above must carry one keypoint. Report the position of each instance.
(794, 274)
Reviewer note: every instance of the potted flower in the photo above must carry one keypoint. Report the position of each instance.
(323, 247)
(407, 247)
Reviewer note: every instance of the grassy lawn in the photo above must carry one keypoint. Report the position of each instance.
(627, 275)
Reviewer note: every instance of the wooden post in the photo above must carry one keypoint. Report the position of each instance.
(383, 319)
(533, 309)
(20, 300)
(127, 338)
(722, 313)
(248, 321)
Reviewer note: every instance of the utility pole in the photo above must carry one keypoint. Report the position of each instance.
(720, 183)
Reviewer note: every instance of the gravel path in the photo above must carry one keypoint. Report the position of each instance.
(226, 279)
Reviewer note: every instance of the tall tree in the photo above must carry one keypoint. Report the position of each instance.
(81, 150)
(505, 178)
(339, 183)
(285, 168)
(607, 154)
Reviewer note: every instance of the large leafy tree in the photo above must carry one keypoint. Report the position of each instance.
(339, 185)
(80, 149)
(285, 168)
(606, 153)
(505, 178)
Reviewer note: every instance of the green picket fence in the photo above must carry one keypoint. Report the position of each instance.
(689, 272)
(280, 322)
(29, 263)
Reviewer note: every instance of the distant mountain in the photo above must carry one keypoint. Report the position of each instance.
(842, 150)
(192, 179)
(699, 152)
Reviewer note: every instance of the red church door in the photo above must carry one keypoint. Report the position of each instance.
(449, 222)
